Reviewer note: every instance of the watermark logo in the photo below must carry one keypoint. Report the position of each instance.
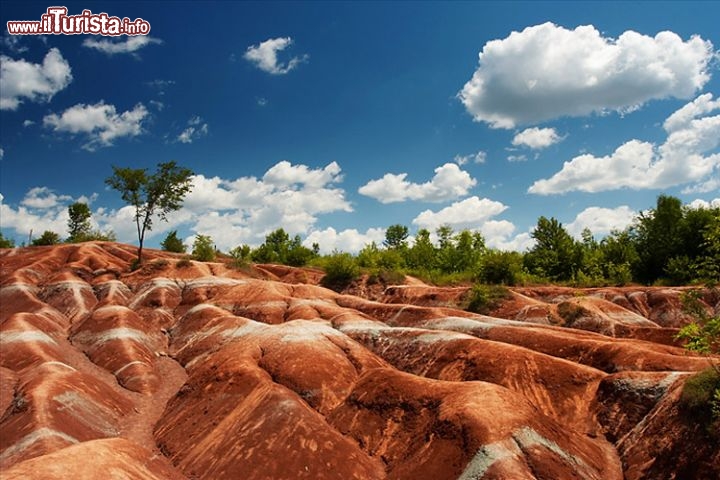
(57, 22)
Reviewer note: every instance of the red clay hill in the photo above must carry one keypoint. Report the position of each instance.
(201, 371)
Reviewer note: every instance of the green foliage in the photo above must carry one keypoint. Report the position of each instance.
(554, 255)
(203, 249)
(182, 263)
(6, 242)
(157, 194)
(703, 334)
(658, 238)
(241, 256)
(386, 277)
(172, 243)
(340, 270)
(701, 393)
(483, 299)
(279, 248)
(79, 227)
(701, 399)
(499, 267)
(396, 236)
(422, 256)
(47, 238)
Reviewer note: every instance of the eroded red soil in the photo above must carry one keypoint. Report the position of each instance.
(201, 371)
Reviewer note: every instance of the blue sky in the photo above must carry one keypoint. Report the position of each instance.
(335, 120)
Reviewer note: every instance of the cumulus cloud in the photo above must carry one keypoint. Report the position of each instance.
(449, 182)
(196, 129)
(35, 82)
(43, 198)
(469, 213)
(699, 203)
(40, 209)
(478, 157)
(265, 56)
(601, 221)
(547, 71)
(536, 138)
(349, 240)
(231, 211)
(100, 123)
(130, 45)
(476, 214)
(642, 165)
(246, 209)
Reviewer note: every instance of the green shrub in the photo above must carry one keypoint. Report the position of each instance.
(6, 242)
(386, 277)
(701, 398)
(483, 299)
(340, 270)
(47, 238)
(203, 249)
(172, 243)
(183, 263)
(241, 256)
(504, 268)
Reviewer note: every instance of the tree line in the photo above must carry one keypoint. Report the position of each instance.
(671, 243)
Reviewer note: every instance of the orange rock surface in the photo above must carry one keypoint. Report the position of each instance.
(201, 371)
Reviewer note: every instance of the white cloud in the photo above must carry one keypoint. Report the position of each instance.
(601, 221)
(349, 240)
(470, 213)
(35, 82)
(517, 158)
(232, 212)
(246, 209)
(449, 182)
(699, 203)
(478, 157)
(265, 56)
(43, 198)
(536, 138)
(27, 123)
(130, 45)
(547, 71)
(12, 43)
(2, 153)
(41, 209)
(643, 165)
(196, 129)
(100, 123)
(160, 85)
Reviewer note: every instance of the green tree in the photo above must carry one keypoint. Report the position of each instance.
(498, 267)
(241, 255)
(298, 254)
(203, 248)
(47, 238)
(396, 236)
(6, 242)
(340, 270)
(709, 262)
(554, 255)
(79, 226)
(422, 255)
(658, 238)
(157, 194)
(172, 243)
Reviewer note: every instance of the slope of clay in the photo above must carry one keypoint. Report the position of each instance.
(183, 369)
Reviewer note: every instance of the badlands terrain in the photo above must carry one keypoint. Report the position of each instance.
(190, 370)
